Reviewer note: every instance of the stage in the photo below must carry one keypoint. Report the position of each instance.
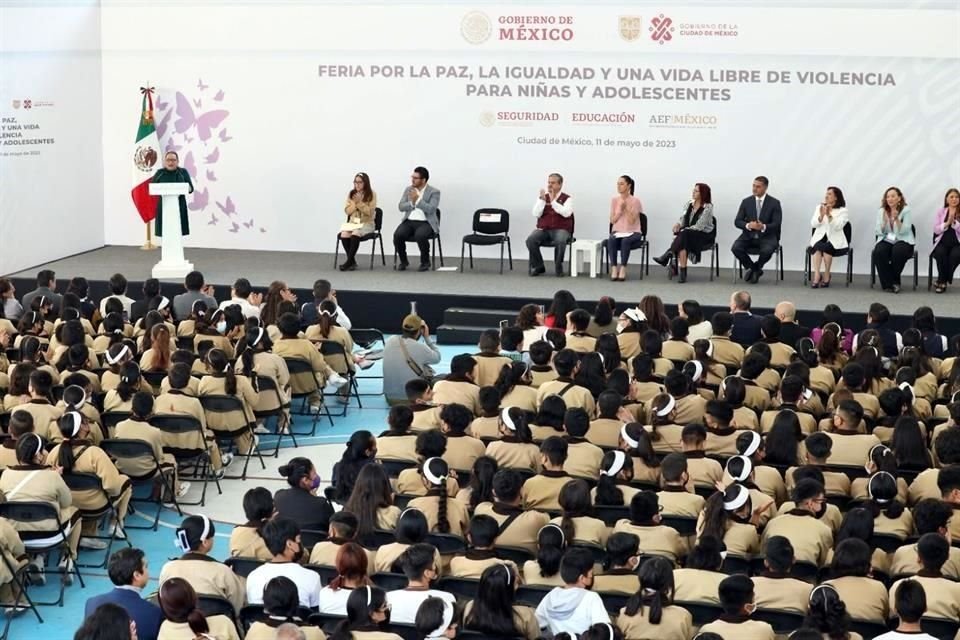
(380, 298)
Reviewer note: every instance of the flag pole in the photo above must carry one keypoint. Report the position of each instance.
(148, 245)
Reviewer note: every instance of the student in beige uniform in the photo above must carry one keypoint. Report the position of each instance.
(223, 381)
(613, 487)
(480, 553)
(866, 598)
(78, 394)
(138, 427)
(462, 450)
(428, 444)
(700, 576)
(567, 364)
(541, 369)
(372, 502)
(619, 565)
(767, 479)
(121, 398)
(21, 423)
(268, 365)
(195, 538)
(650, 612)
(790, 397)
(412, 528)
(583, 457)
(854, 379)
(891, 517)
(690, 406)
(850, 447)
(548, 421)
(819, 452)
(486, 426)
(542, 491)
(245, 539)
(676, 497)
(444, 513)
(32, 481)
(517, 527)
(740, 469)
(729, 516)
(930, 515)
(116, 358)
(545, 569)
(515, 387)
(327, 330)
(367, 612)
(665, 431)
(183, 620)
(645, 522)
(827, 513)
(426, 413)
(493, 611)
(515, 448)
(737, 598)
(578, 524)
(943, 594)
(827, 613)
(578, 339)
(811, 538)
(949, 483)
(459, 387)
(604, 431)
(45, 414)
(636, 442)
(398, 442)
(489, 362)
(702, 471)
(178, 402)
(343, 529)
(292, 346)
(774, 588)
(721, 437)
(156, 355)
(725, 351)
(75, 454)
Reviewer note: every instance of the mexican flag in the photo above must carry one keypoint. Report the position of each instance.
(146, 159)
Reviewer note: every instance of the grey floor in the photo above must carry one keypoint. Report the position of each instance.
(222, 266)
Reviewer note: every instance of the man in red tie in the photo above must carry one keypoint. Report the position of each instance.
(554, 213)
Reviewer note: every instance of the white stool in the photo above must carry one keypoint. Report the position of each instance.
(591, 249)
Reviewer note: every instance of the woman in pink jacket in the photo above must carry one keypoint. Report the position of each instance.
(946, 239)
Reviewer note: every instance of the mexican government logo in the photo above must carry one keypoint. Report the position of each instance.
(661, 29)
(630, 27)
(475, 27)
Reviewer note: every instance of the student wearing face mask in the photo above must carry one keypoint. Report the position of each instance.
(738, 603)
(300, 502)
(282, 537)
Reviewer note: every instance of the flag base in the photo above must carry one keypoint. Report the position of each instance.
(148, 246)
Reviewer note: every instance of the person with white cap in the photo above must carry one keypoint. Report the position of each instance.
(405, 357)
(194, 537)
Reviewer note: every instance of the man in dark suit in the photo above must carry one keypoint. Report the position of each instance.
(759, 219)
(128, 571)
(746, 326)
(790, 330)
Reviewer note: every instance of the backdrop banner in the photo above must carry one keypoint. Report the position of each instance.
(275, 114)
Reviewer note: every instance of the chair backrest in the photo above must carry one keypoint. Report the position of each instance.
(378, 218)
(83, 481)
(467, 634)
(848, 233)
(310, 537)
(378, 538)
(326, 621)
(518, 555)
(366, 337)
(394, 467)
(113, 418)
(446, 543)
(325, 572)
(298, 365)
(599, 553)
(531, 595)
(331, 348)
(462, 588)
(938, 627)
(28, 512)
(243, 567)
(405, 631)
(215, 606)
(125, 448)
(389, 581)
(610, 514)
(221, 403)
(155, 378)
(491, 221)
(684, 525)
(702, 613)
(614, 601)
(783, 622)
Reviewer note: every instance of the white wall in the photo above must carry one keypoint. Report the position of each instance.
(51, 194)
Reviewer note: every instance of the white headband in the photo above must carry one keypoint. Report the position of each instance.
(39, 443)
(619, 459)
(369, 595)
(83, 395)
(609, 628)
(509, 571)
(697, 370)
(430, 475)
(670, 406)
(445, 623)
(723, 384)
(324, 312)
(164, 303)
(709, 348)
(743, 494)
(183, 541)
(125, 349)
(754, 445)
(406, 511)
(77, 422)
(507, 420)
(822, 586)
(602, 362)
(636, 315)
(870, 486)
(563, 538)
(904, 386)
(807, 394)
(626, 437)
(874, 448)
(745, 472)
(258, 338)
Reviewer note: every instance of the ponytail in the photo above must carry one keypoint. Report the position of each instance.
(218, 361)
(436, 471)
(608, 493)
(70, 424)
(714, 517)
(246, 358)
(327, 312)
(129, 381)
(551, 543)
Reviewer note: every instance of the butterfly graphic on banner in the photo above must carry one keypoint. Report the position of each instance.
(192, 122)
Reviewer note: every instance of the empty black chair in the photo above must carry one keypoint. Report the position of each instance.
(310, 537)
(375, 236)
(490, 227)
(267, 386)
(394, 467)
(940, 628)
(702, 613)
(518, 555)
(447, 543)
(684, 525)
(531, 595)
(91, 482)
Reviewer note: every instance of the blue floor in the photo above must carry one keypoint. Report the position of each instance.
(60, 623)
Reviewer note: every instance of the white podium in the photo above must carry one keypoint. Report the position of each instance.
(172, 263)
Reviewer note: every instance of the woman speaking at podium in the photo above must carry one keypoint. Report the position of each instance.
(172, 172)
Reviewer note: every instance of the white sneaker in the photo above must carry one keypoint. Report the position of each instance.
(93, 544)
(365, 364)
(262, 428)
(37, 571)
(117, 531)
(315, 403)
(184, 488)
(226, 459)
(336, 380)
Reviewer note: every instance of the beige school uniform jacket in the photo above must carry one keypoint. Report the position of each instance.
(622, 580)
(583, 458)
(390, 553)
(604, 432)
(462, 451)
(268, 365)
(488, 368)
(573, 394)
(510, 453)
(677, 501)
(301, 349)
(246, 542)
(216, 385)
(540, 374)
(487, 428)
(473, 563)
(727, 352)
(811, 538)
(588, 530)
(140, 430)
(44, 485)
(396, 447)
(690, 409)
(655, 539)
(521, 396)
(866, 598)
(208, 577)
(741, 630)
(784, 593)
(943, 597)
(92, 459)
(697, 585)
(457, 514)
(178, 403)
(325, 553)
(453, 392)
(676, 623)
(522, 526)
(410, 483)
(45, 416)
(905, 562)
(581, 342)
(426, 417)
(542, 491)
(340, 364)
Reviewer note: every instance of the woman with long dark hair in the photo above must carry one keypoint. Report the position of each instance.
(828, 614)
(693, 233)
(828, 238)
(604, 319)
(184, 619)
(372, 502)
(493, 611)
(359, 452)
(628, 227)
(107, 622)
(613, 487)
(444, 513)
(727, 516)
(545, 570)
(223, 380)
(246, 540)
(360, 210)
(562, 304)
(657, 320)
(946, 239)
(637, 442)
(577, 521)
(784, 440)
(367, 611)
(513, 385)
(894, 239)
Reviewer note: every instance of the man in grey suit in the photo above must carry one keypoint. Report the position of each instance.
(419, 205)
(46, 287)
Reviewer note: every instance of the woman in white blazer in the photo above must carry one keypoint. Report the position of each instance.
(828, 239)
